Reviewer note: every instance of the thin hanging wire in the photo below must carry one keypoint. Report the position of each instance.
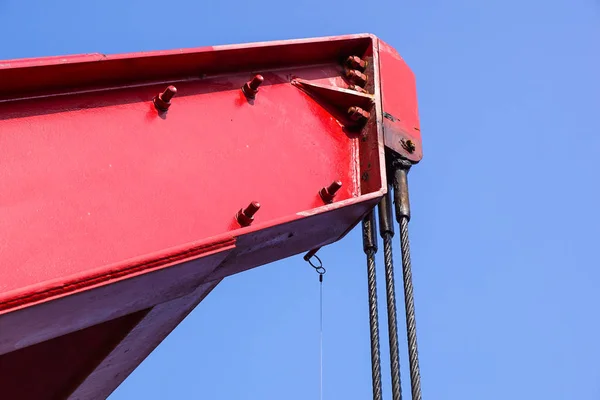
(321, 271)
(321, 335)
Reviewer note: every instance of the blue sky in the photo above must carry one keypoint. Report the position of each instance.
(505, 203)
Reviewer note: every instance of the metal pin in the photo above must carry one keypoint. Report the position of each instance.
(245, 216)
(162, 101)
(328, 193)
(250, 88)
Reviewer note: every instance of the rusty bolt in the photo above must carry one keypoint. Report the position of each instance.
(357, 88)
(408, 145)
(328, 193)
(356, 77)
(358, 114)
(162, 101)
(250, 88)
(245, 216)
(355, 62)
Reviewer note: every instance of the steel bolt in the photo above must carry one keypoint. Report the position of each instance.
(328, 193)
(408, 145)
(162, 101)
(355, 62)
(358, 114)
(357, 88)
(245, 216)
(250, 88)
(356, 77)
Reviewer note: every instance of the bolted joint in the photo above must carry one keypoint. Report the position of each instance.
(245, 216)
(408, 145)
(250, 88)
(162, 101)
(356, 77)
(359, 115)
(328, 193)
(356, 62)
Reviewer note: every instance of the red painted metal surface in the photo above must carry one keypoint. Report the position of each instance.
(125, 183)
(399, 102)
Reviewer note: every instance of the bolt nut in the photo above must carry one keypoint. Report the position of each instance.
(328, 193)
(357, 88)
(408, 145)
(356, 62)
(250, 88)
(359, 115)
(162, 101)
(356, 77)
(245, 216)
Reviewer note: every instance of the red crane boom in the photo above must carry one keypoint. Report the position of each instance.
(131, 185)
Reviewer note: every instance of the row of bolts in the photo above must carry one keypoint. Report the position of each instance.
(354, 74)
(245, 216)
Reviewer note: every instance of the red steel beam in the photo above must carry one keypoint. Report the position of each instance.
(125, 183)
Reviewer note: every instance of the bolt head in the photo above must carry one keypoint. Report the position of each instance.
(356, 77)
(408, 145)
(357, 88)
(328, 193)
(250, 88)
(162, 101)
(356, 62)
(160, 104)
(245, 216)
(358, 114)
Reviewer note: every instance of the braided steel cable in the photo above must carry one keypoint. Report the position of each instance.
(409, 301)
(403, 216)
(370, 248)
(392, 318)
(386, 229)
(374, 327)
